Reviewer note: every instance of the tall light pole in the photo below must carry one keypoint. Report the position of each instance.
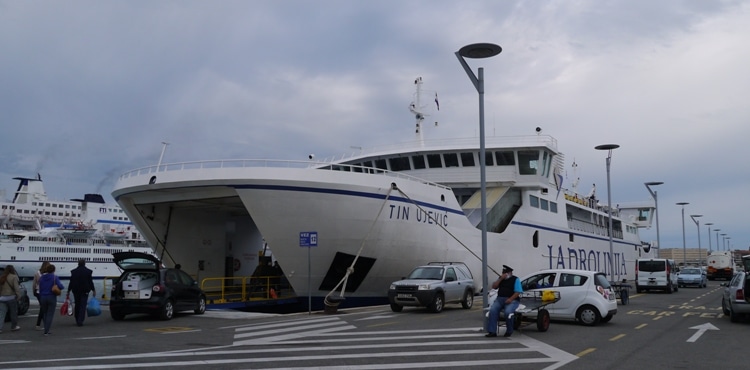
(697, 224)
(163, 149)
(656, 207)
(718, 248)
(723, 241)
(609, 148)
(684, 247)
(709, 236)
(479, 51)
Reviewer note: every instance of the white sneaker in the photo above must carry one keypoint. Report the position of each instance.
(37, 327)
(16, 328)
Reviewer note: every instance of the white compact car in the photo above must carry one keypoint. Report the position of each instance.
(585, 296)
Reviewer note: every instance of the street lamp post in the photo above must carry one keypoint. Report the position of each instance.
(709, 236)
(656, 207)
(609, 148)
(717, 239)
(697, 224)
(479, 51)
(684, 247)
(723, 241)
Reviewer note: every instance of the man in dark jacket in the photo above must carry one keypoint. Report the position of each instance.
(508, 292)
(81, 283)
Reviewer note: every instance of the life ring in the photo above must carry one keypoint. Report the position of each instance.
(237, 265)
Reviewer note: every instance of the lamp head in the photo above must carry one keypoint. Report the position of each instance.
(653, 183)
(479, 51)
(606, 147)
(682, 203)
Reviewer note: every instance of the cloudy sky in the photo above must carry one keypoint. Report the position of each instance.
(90, 89)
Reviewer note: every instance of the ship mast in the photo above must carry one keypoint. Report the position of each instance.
(416, 108)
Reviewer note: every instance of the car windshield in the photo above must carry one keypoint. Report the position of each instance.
(430, 273)
(691, 272)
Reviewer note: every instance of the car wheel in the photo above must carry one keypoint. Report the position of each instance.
(607, 318)
(468, 300)
(676, 288)
(167, 311)
(437, 303)
(23, 305)
(201, 306)
(116, 315)
(669, 289)
(396, 308)
(724, 307)
(588, 315)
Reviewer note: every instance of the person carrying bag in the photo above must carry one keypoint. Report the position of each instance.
(10, 293)
(47, 297)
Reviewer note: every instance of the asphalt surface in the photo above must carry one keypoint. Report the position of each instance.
(655, 330)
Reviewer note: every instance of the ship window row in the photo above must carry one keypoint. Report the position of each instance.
(47, 249)
(47, 213)
(447, 160)
(56, 205)
(542, 204)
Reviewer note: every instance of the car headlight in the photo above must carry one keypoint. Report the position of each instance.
(424, 287)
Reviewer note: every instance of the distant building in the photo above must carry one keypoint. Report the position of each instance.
(690, 254)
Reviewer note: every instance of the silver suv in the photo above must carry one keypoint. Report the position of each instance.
(432, 286)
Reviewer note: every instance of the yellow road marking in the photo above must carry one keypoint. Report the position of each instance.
(585, 352)
(641, 326)
(616, 337)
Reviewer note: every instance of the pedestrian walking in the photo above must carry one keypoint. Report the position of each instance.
(48, 297)
(81, 283)
(10, 293)
(37, 276)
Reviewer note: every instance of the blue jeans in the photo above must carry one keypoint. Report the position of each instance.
(49, 304)
(508, 309)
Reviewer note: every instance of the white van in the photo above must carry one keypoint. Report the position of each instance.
(655, 273)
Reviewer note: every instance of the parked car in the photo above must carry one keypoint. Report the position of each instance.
(147, 287)
(23, 303)
(585, 296)
(735, 301)
(692, 276)
(433, 286)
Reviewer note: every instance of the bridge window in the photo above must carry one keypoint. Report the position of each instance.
(504, 159)
(400, 164)
(467, 159)
(418, 161)
(380, 164)
(433, 160)
(451, 159)
(528, 162)
(545, 204)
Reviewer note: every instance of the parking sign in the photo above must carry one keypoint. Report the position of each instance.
(308, 239)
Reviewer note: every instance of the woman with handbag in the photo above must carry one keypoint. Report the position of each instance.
(49, 288)
(37, 276)
(10, 292)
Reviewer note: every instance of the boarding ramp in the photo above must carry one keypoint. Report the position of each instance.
(502, 204)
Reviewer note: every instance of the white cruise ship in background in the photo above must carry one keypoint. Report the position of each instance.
(367, 220)
(34, 229)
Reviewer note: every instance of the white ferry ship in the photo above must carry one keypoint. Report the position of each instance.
(34, 229)
(382, 212)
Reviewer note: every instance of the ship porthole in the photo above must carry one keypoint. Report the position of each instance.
(152, 180)
(535, 239)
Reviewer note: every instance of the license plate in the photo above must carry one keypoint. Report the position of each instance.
(132, 295)
(651, 283)
(404, 295)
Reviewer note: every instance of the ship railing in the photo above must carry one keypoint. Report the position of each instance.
(592, 228)
(269, 163)
(503, 142)
(246, 288)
